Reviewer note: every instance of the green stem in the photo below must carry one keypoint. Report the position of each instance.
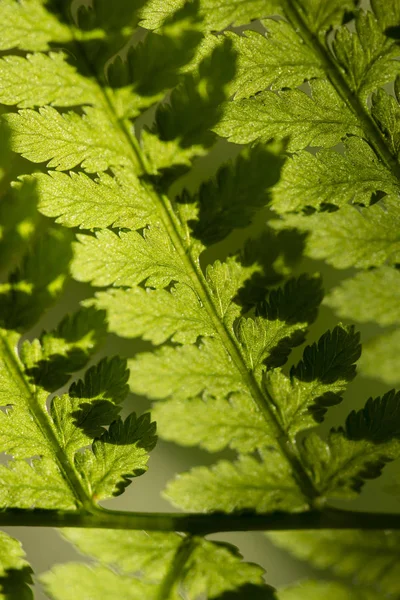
(335, 76)
(41, 418)
(201, 524)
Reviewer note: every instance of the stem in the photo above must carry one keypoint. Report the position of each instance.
(201, 524)
(42, 420)
(335, 76)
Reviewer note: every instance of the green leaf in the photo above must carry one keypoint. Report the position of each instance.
(78, 200)
(367, 56)
(317, 381)
(238, 191)
(380, 357)
(352, 236)
(370, 439)
(370, 557)
(156, 315)
(387, 13)
(269, 338)
(15, 571)
(41, 79)
(329, 177)
(66, 140)
(318, 120)
(275, 60)
(184, 372)
(28, 25)
(213, 423)
(386, 112)
(249, 483)
(128, 258)
(91, 404)
(120, 454)
(38, 282)
(368, 296)
(314, 590)
(36, 485)
(320, 16)
(217, 14)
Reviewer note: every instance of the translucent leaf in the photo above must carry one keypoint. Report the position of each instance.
(156, 315)
(39, 485)
(15, 571)
(236, 194)
(213, 423)
(368, 558)
(368, 296)
(78, 200)
(262, 485)
(66, 140)
(314, 590)
(273, 60)
(128, 259)
(358, 452)
(317, 381)
(380, 357)
(367, 56)
(217, 14)
(269, 338)
(38, 282)
(320, 16)
(386, 111)
(352, 236)
(29, 26)
(318, 120)
(41, 79)
(184, 371)
(120, 454)
(332, 178)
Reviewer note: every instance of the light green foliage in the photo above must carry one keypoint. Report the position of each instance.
(369, 296)
(352, 236)
(321, 119)
(370, 557)
(305, 91)
(212, 423)
(275, 59)
(209, 567)
(330, 177)
(15, 571)
(155, 315)
(78, 200)
(367, 56)
(317, 381)
(380, 357)
(263, 484)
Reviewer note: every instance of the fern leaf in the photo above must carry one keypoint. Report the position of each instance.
(275, 60)
(380, 357)
(249, 483)
(78, 200)
(368, 296)
(156, 315)
(213, 423)
(320, 16)
(368, 56)
(320, 120)
(317, 381)
(200, 567)
(352, 236)
(119, 454)
(41, 79)
(128, 258)
(28, 25)
(370, 559)
(387, 13)
(386, 111)
(47, 136)
(329, 177)
(15, 571)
